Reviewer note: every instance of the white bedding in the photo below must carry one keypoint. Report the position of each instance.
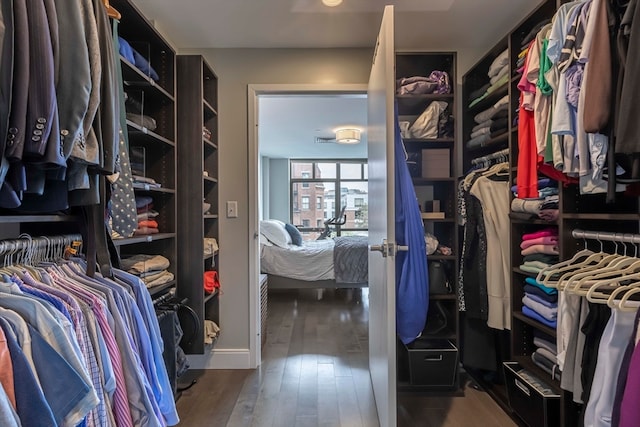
(311, 261)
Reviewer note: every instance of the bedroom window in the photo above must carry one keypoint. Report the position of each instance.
(335, 186)
(305, 175)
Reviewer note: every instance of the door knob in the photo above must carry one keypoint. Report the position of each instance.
(388, 249)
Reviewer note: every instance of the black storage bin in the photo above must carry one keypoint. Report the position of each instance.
(432, 362)
(532, 399)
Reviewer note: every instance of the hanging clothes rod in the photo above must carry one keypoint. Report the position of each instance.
(606, 236)
(27, 243)
(498, 154)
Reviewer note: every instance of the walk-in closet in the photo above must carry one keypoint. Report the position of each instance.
(200, 224)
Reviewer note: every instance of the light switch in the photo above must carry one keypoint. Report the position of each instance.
(232, 209)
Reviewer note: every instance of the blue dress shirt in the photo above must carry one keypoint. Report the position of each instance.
(164, 394)
(31, 405)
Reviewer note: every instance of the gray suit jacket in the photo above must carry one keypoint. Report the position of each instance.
(6, 76)
(89, 153)
(20, 86)
(73, 86)
(41, 102)
(109, 112)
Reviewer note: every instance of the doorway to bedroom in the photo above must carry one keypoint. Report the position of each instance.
(304, 177)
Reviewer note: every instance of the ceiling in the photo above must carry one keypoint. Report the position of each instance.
(419, 24)
(289, 125)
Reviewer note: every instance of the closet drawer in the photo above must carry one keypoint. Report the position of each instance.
(432, 362)
(532, 399)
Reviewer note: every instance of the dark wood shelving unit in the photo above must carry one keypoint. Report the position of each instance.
(157, 146)
(197, 109)
(519, 340)
(428, 188)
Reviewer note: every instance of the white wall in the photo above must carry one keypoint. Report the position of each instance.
(236, 69)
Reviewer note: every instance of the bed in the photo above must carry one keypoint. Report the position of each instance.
(341, 262)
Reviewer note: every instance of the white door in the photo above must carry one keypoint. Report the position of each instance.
(382, 290)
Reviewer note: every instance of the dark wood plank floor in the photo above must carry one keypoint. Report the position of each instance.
(314, 373)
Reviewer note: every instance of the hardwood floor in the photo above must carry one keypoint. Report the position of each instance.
(315, 373)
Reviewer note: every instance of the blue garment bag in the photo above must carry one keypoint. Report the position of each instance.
(412, 281)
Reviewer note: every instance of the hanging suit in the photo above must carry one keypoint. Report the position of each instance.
(41, 100)
(6, 77)
(15, 132)
(73, 85)
(106, 124)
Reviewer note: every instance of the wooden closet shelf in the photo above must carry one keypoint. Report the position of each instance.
(209, 179)
(160, 288)
(143, 239)
(211, 296)
(208, 108)
(603, 216)
(133, 77)
(143, 135)
(211, 216)
(209, 144)
(209, 256)
(524, 273)
(532, 322)
(527, 219)
(148, 189)
(13, 219)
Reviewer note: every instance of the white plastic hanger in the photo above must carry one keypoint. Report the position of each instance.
(546, 273)
(625, 304)
(609, 266)
(594, 292)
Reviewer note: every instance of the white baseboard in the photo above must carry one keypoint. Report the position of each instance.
(221, 358)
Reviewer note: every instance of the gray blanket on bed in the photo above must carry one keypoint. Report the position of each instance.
(351, 259)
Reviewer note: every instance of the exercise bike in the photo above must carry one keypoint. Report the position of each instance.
(340, 219)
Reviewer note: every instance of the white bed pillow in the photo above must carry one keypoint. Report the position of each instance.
(276, 233)
(264, 241)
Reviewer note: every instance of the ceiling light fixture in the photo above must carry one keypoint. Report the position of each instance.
(348, 136)
(331, 3)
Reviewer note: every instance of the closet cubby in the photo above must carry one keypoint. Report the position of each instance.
(576, 211)
(473, 80)
(432, 166)
(152, 144)
(199, 200)
(518, 341)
